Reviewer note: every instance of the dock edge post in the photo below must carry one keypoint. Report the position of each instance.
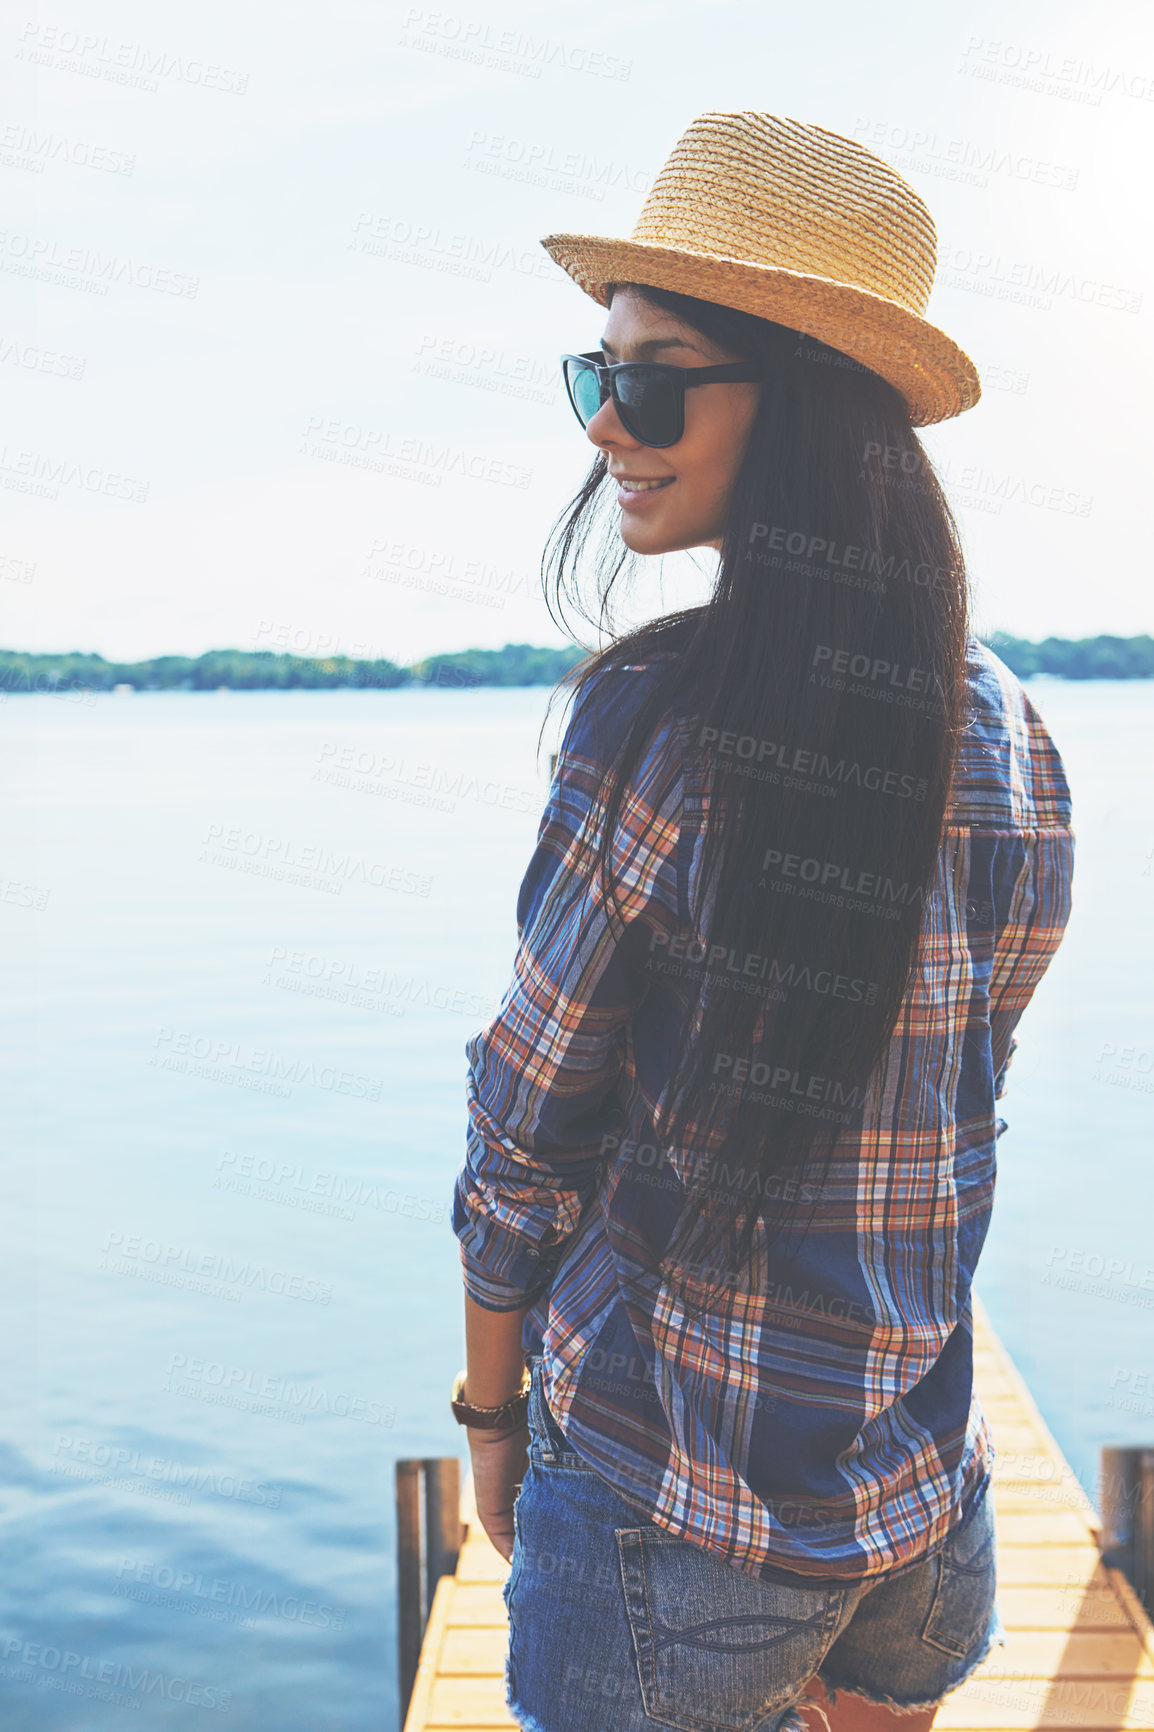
(429, 1535)
(1126, 1485)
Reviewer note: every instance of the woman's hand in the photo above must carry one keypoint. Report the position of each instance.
(495, 1369)
(499, 1463)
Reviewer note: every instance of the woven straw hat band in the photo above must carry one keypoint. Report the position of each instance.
(773, 192)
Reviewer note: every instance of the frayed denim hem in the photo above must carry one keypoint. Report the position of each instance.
(995, 1639)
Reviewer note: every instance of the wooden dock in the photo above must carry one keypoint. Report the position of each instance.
(1079, 1647)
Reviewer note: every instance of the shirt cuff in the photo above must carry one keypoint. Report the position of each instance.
(488, 1291)
(486, 1248)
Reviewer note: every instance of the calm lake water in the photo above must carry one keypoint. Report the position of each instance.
(246, 937)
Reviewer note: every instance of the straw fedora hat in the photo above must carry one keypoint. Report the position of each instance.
(801, 226)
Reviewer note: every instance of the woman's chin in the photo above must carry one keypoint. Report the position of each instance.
(648, 537)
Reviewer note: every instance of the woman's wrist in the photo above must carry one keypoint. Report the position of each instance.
(505, 1417)
(488, 1398)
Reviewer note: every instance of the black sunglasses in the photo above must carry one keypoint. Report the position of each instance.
(649, 396)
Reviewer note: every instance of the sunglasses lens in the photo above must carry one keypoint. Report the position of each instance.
(647, 401)
(583, 389)
(646, 396)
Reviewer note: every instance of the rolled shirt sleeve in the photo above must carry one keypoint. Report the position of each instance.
(542, 1076)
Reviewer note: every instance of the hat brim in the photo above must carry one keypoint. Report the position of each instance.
(937, 378)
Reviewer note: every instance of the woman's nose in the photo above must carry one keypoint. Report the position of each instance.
(606, 428)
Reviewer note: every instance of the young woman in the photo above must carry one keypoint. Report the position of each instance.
(805, 857)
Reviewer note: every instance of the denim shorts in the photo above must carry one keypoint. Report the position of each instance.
(617, 1625)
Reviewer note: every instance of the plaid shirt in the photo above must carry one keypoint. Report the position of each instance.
(825, 1425)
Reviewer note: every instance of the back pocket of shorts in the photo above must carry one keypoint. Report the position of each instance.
(959, 1613)
(716, 1649)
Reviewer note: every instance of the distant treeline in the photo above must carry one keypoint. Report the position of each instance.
(518, 664)
(1083, 658)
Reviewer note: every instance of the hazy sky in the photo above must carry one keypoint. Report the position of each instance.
(235, 237)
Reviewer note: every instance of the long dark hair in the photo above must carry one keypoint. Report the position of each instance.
(827, 676)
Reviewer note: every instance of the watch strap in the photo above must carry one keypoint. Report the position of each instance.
(508, 1415)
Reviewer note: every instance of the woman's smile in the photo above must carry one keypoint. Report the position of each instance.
(633, 492)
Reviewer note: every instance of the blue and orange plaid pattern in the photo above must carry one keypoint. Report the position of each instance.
(821, 1421)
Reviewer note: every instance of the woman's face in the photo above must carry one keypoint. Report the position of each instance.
(699, 471)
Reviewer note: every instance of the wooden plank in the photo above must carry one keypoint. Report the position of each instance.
(1038, 1467)
(1008, 1704)
(480, 1561)
(417, 1713)
(1022, 1437)
(469, 1702)
(1024, 1498)
(1058, 1609)
(474, 1648)
(1063, 1654)
(1002, 1411)
(1133, 1607)
(1071, 1567)
(1057, 1527)
(477, 1603)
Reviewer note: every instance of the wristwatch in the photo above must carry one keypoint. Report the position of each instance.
(511, 1413)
